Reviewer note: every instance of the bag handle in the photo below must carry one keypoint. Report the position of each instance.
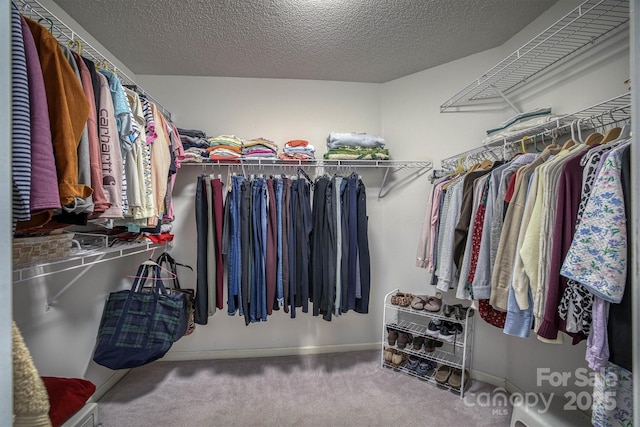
(165, 258)
(143, 275)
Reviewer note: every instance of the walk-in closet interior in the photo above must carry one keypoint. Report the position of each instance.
(345, 249)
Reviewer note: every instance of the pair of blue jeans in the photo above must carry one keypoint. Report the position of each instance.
(258, 299)
(279, 286)
(234, 264)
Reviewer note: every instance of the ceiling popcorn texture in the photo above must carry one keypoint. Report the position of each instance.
(345, 40)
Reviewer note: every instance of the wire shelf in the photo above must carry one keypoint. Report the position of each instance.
(606, 113)
(79, 258)
(578, 29)
(395, 165)
(65, 35)
(410, 169)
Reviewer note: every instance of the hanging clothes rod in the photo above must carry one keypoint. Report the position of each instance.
(606, 113)
(411, 169)
(66, 35)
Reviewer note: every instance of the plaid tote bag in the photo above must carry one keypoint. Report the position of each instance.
(139, 325)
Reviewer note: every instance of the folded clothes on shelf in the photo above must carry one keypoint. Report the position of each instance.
(352, 139)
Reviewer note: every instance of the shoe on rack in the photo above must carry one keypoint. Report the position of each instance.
(461, 312)
(448, 310)
(392, 336)
(455, 379)
(418, 342)
(430, 345)
(418, 302)
(398, 359)
(449, 331)
(412, 363)
(388, 355)
(404, 338)
(443, 373)
(425, 367)
(434, 303)
(433, 329)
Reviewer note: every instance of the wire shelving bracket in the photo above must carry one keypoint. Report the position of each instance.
(581, 27)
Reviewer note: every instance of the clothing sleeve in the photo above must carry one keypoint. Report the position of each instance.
(425, 234)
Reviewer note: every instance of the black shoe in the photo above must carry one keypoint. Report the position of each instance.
(449, 331)
(434, 328)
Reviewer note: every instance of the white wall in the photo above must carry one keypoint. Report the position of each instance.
(279, 110)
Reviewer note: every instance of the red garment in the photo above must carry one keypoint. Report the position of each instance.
(478, 225)
(160, 238)
(511, 188)
(490, 314)
(272, 247)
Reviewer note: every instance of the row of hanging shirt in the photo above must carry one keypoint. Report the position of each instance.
(501, 234)
(98, 150)
(284, 242)
(540, 243)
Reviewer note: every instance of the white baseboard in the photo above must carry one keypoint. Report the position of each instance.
(512, 388)
(175, 356)
(113, 379)
(489, 379)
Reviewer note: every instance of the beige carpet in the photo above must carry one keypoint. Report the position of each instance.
(338, 389)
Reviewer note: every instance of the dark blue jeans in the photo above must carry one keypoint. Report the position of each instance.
(201, 315)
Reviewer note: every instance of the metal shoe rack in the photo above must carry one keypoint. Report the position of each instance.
(457, 354)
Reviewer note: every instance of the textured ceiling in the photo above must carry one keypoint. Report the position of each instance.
(345, 40)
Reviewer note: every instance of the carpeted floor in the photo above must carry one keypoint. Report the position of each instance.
(338, 389)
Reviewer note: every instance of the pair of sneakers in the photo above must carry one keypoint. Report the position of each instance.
(444, 330)
(420, 366)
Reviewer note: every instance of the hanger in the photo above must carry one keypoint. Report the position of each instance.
(301, 171)
(49, 21)
(486, 164)
(76, 45)
(570, 143)
(594, 139)
(611, 135)
(152, 263)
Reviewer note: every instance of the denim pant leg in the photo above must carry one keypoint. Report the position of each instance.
(245, 246)
(202, 222)
(278, 207)
(255, 305)
(364, 262)
(227, 248)
(237, 236)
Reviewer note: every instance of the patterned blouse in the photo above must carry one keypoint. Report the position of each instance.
(597, 257)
